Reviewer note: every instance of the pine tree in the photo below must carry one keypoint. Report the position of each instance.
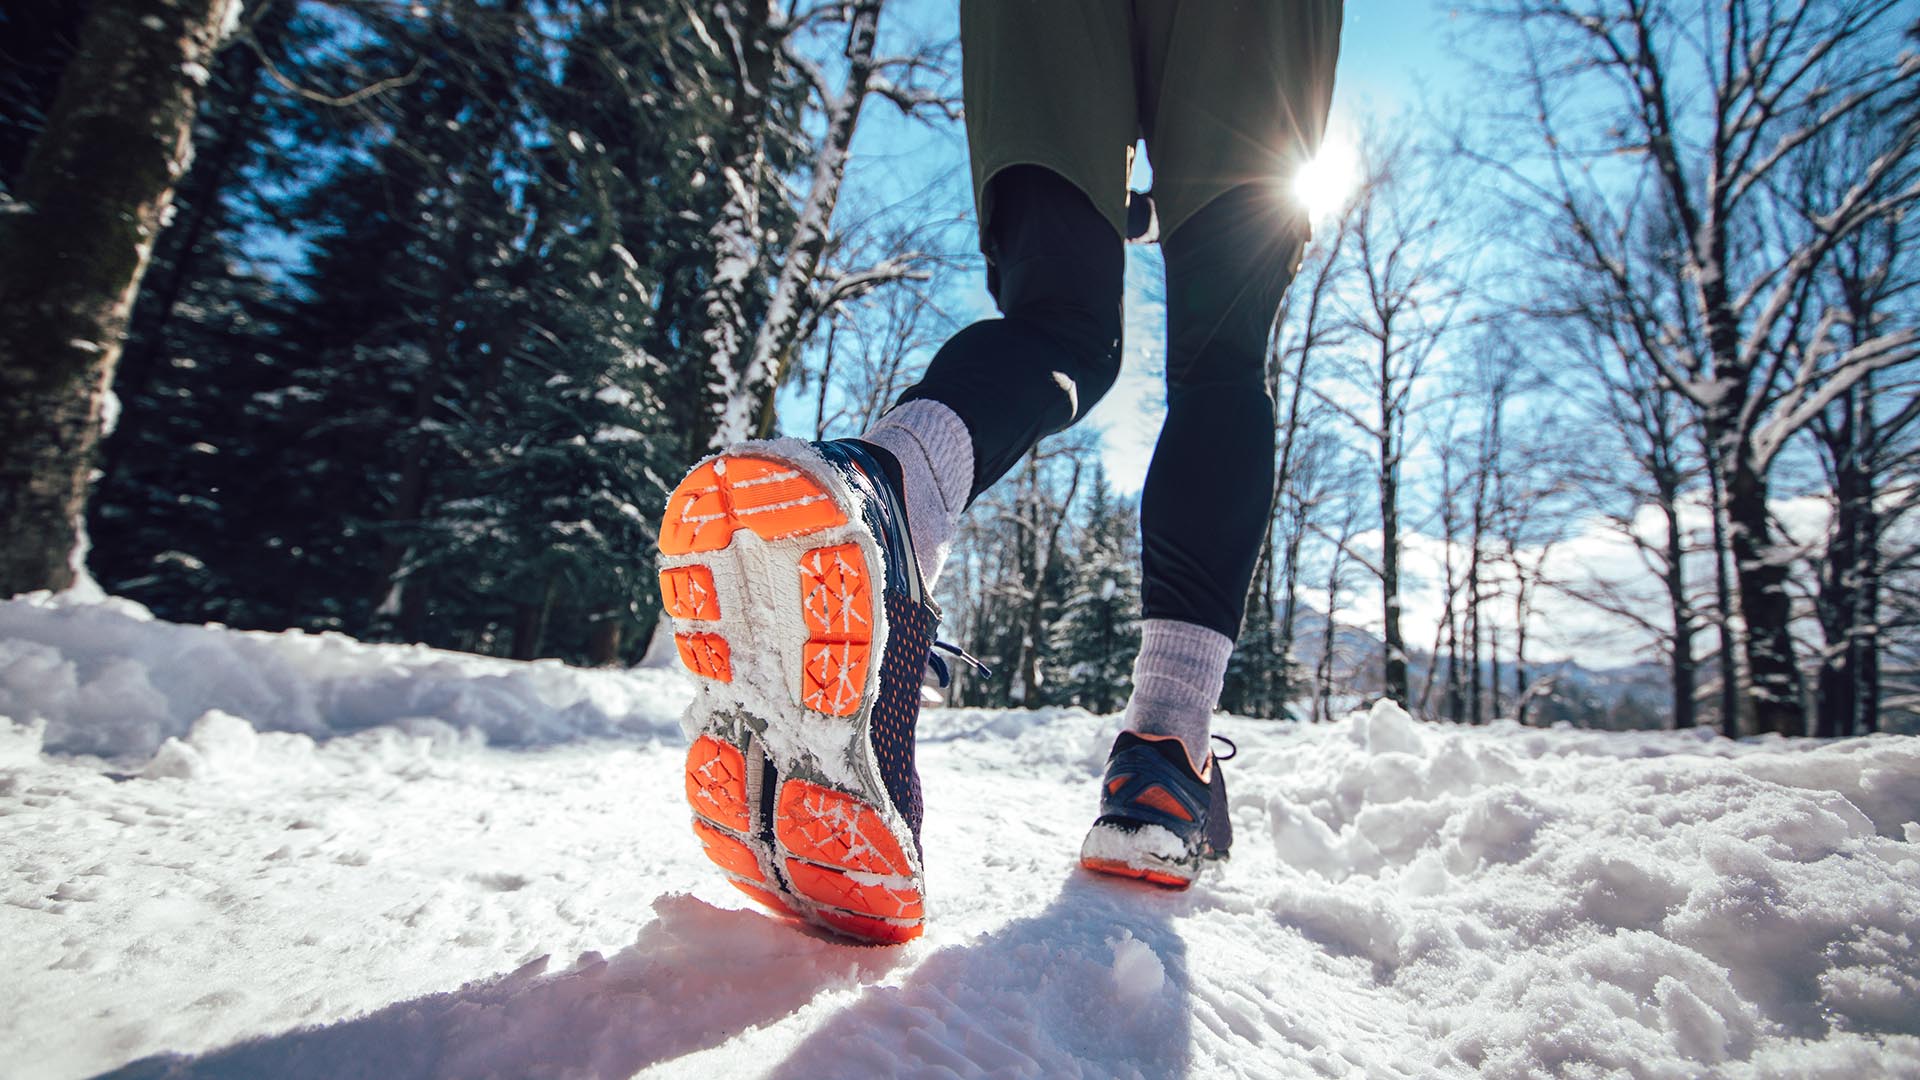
(1094, 640)
(173, 518)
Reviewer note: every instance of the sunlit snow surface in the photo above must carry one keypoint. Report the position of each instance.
(382, 895)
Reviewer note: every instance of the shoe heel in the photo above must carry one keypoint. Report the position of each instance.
(841, 854)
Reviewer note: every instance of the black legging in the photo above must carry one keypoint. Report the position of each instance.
(1055, 268)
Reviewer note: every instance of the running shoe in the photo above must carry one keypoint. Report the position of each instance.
(1161, 819)
(788, 571)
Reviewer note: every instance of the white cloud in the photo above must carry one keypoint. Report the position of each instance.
(1596, 558)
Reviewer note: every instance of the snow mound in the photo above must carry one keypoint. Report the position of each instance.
(1611, 901)
(306, 860)
(1137, 971)
(108, 679)
(217, 743)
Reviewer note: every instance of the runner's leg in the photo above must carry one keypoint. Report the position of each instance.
(1051, 121)
(1209, 489)
(1234, 96)
(998, 386)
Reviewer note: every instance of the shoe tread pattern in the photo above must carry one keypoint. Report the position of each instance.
(829, 856)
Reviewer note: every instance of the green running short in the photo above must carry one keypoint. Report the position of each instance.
(1225, 93)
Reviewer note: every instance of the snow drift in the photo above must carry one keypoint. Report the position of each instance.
(234, 854)
(111, 680)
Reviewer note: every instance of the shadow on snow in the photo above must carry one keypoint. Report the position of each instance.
(1096, 984)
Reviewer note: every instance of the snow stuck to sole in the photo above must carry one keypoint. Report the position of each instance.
(1405, 899)
(1147, 847)
(1149, 853)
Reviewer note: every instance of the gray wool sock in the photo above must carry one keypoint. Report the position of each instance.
(1177, 680)
(935, 452)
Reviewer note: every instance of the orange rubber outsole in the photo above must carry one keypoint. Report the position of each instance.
(835, 846)
(833, 859)
(1116, 868)
(717, 783)
(773, 498)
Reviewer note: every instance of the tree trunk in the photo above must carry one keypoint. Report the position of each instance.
(1838, 703)
(1474, 704)
(1493, 677)
(1865, 639)
(749, 367)
(1289, 614)
(1765, 609)
(1035, 624)
(1730, 696)
(233, 117)
(1280, 684)
(1323, 671)
(1454, 706)
(1681, 659)
(1869, 638)
(530, 623)
(740, 160)
(603, 645)
(1521, 615)
(409, 504)
(1270, 674)
(1486, 469)
(1394, 670)
(95, 189)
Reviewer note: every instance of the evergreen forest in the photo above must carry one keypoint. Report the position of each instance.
(1597, 398)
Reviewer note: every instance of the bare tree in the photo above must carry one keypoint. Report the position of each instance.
(1863, 437)
(1651, 422)
(1407, 296)
(875, 349)
(1503, 507)
(748, 365)
(92, 196)
(1345, 522)
(1453, 481)
(1006, 577)
(1318, 483)
(1713, 103)
(1531, 509)
(1039, 519)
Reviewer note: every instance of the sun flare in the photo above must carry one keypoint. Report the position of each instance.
(1323, 185)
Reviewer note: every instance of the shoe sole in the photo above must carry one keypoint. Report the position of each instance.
(1123, 853)
(1116, 868)
(769, 579)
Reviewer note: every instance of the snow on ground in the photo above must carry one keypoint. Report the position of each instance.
(249, 855)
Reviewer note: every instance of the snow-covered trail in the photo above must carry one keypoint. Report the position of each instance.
(383, 896)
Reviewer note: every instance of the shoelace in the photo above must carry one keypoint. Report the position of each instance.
(944, 672)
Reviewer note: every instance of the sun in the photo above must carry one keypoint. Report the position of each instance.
(1323, 185)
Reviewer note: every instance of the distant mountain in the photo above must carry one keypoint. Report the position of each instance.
(1633, 697)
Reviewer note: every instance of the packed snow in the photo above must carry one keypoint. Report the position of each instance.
(236, 854)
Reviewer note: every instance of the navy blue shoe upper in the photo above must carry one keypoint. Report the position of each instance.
(911, 618)
(1151, 782)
